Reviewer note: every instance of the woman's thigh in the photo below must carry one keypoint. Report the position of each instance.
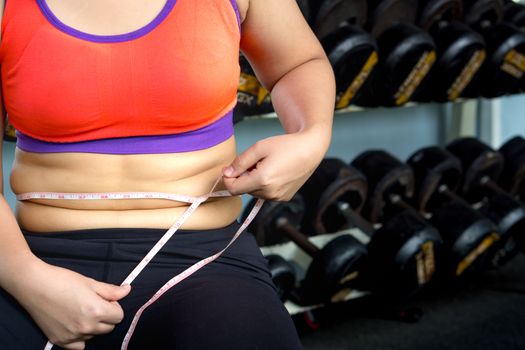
(217, 310)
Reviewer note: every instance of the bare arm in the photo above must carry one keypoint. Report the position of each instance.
(290, 62)
(16, 255)
(68, 307)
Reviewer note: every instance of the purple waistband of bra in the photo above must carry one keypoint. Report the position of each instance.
(195, 140)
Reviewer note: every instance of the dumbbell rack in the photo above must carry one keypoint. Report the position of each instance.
(465, 117)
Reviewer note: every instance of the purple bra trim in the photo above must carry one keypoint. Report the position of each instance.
(195, 140)
(106, 38)
(236, 9)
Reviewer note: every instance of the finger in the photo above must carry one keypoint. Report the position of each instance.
(78, 345)
(247, 183)
(113, 313)
(103, 328)
(110, 292)
(245, 161)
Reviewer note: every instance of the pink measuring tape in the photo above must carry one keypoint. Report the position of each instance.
(194, 204)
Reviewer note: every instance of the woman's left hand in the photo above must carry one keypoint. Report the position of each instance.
(276, 167)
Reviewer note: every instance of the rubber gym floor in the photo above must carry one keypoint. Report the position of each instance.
(487, 312)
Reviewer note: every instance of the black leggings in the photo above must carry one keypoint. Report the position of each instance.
(229, 304)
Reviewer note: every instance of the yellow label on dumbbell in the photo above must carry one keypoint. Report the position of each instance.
(430, 259)
(420, 264)
(425, 262)
(341, 295)
(344, 100)
(514, 64)
(480, 249)
(9, 130)
(350, 277)
(344, 293)
(415, 77)
(262, 95)
(468, 72)
(248, 84)
(248, 89)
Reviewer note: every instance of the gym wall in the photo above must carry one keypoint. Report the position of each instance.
(513, 121)
(399, 130)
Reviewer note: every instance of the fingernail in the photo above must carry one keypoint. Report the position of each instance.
(228, 171)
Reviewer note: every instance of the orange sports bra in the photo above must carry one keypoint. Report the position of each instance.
(176, 75)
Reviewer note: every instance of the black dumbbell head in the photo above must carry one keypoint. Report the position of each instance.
(264, 226)
(331, 182)
(383, 14)
(386, 176)
(332, 13)
(467, 237)
(283, 275)
(431, 12)
(402, 255)
(334, 271)
(478, 161)
(482, 13)
(515, 14)
(513, 176)
(407, 54)
(353, 54)
(509, 215)
(433, 167)
(504, 68)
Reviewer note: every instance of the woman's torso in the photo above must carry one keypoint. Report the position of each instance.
(191, 173)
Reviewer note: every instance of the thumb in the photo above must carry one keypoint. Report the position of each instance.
(111, 292)
(245, 161)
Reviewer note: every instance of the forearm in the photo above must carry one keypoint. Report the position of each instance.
(304, 99)
(17, 258)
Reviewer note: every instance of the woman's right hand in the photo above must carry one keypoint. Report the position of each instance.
(69, 307)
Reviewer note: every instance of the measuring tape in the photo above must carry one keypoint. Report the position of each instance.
(194, 204)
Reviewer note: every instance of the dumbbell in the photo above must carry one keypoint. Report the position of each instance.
(482, 167)
(406, 53)
(512, 177)
(248, 91)
(461, 235)
(514, 13)
(504, 68)
(9, 131)
(400, 253)
(331, 275)
(460, 50)
(327, 15)
(283, 275)
(331, 179)
(352, 52)
(470, 237)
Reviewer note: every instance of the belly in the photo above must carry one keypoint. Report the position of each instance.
(190, 173)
